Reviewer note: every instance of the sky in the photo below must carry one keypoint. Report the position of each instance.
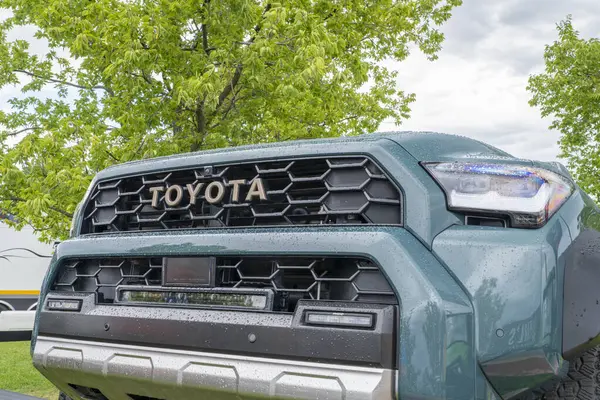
(477, 87)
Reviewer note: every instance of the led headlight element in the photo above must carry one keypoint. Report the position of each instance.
(529, 196)
(339, 319)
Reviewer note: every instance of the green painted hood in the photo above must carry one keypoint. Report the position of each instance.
(423, 146)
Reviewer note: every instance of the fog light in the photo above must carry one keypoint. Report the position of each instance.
(339, 319)
(63, 305)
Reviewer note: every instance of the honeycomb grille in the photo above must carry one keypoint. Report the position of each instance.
(296, 192)
(291, 279)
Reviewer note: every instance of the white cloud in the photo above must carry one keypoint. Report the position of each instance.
(476, 99)
(477, 87)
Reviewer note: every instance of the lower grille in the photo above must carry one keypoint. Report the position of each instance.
(290, 278)
(88, 393)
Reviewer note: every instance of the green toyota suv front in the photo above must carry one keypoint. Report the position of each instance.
(386, 266)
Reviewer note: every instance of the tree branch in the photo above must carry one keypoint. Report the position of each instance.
(200, 127)
(331, 14)
(15, 133)
(58, 210)
(142, 76)
(257, 28)
(238, 69)
(229, 88)
(111, 155)
(207, 49)
(231, 104)
(166, 82)
(202, 121)
(99, 87)
(201, 34)
(137, 151)
(204, 28)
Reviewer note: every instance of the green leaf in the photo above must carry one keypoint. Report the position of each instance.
(568, 92)
(158, 77)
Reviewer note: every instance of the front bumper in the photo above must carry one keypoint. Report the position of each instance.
(119, 371)
(431, 303)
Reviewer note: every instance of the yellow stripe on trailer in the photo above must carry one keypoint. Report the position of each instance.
(19, 292)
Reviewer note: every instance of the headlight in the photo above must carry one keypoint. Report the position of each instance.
(529, 196)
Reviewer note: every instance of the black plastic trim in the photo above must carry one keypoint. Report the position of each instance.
(283, 336)
(581, 305)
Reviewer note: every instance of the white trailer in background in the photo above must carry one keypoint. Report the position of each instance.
(23, 264)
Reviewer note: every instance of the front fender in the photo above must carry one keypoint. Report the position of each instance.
(581, 313)
(514, 278)
(534, 292)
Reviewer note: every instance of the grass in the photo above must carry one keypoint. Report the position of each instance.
(17, 373)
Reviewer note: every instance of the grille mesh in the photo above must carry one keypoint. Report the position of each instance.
(321, 191)
(291, 279)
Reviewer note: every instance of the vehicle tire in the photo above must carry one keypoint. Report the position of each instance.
(3, 308)
(582, 381)
(62, 396)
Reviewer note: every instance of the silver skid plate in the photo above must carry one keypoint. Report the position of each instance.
(119, 371)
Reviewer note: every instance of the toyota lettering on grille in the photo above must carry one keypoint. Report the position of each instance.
(214, 192)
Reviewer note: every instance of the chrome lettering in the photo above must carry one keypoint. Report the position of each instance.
(214, 192)
(169, 200)
(194, 191)
(256, 189)
(155, 192)
(235, 195)
(209, 194)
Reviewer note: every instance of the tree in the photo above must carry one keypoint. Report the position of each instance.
(569, 92)
(143, 78)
